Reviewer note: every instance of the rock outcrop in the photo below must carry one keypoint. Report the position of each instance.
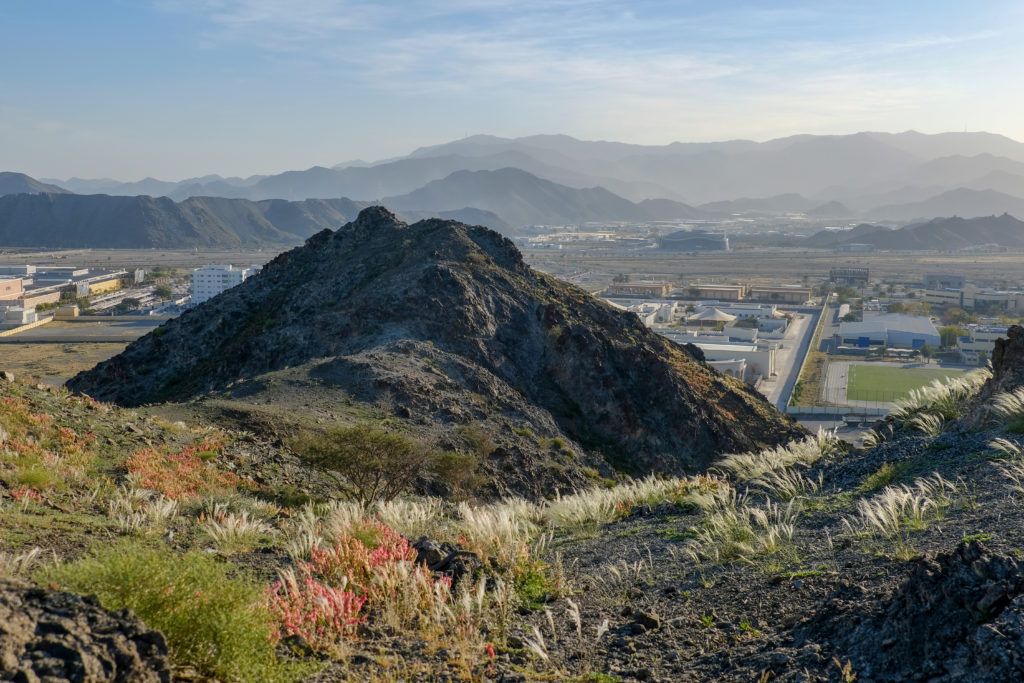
(959, 616)
(450, 330)
(1007, 374)
(53, 636)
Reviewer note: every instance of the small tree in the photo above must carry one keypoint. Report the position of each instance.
(378, 464)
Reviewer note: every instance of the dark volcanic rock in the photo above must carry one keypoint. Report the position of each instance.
(959, 616)
(53, 636)
(1007, 374)
(451, 327)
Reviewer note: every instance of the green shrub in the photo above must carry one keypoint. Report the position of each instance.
(217, 624)
(458, 471)
(378, 464)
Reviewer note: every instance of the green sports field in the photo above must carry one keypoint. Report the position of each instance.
(880, 383)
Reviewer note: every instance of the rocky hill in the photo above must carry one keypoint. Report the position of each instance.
(444, 328)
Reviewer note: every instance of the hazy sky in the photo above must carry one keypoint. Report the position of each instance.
(177, 88)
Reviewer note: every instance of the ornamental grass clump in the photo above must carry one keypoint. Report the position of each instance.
(755, 464)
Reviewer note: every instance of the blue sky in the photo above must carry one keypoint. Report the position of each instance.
(178, 88)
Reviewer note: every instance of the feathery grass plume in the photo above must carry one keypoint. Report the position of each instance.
(929, 424)
(22, 563)
(754, 464)
(788, 484)
(901, 508)
(495, 531)
(234, 532)
(596, 507)
(536, 644)
(1008, 409)
(140, 510)
(944, 398)
(412, 518)
(875, 436)
(1008, 448)
(739, 532)
(1014, 471)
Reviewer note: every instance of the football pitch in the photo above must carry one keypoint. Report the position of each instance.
(879, 383)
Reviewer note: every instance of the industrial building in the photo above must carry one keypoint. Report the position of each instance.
(894, 330)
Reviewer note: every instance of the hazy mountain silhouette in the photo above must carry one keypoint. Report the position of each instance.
(521, 198)
(19, 183)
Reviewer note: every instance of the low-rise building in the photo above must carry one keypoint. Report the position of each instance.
(790, 295)
(976, 346)
(644, 288)
(717, 292)
(16, 316)
(11, 288)
(748, 361)
(971, 297)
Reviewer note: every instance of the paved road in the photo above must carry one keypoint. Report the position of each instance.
(789, 360)
(112, 330)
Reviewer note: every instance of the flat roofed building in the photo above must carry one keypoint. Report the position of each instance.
(979, 342)
(891, 329)
(717, 292)
(788, 295)
(643, 288)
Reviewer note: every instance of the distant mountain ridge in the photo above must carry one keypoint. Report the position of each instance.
(524, 199)
(940, 233)
(74, 221)
(19, 183)
(880, 176)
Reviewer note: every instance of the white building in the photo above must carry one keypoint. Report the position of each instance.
(209, 281)
(980, 339)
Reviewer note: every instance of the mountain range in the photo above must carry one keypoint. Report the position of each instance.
(141, 222)
(556, 179)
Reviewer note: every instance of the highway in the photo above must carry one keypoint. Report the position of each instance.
(101, 330)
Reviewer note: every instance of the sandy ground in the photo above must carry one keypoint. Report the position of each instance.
(54, 363)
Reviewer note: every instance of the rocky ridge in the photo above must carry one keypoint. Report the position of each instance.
(48, 635)
(441, 326)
